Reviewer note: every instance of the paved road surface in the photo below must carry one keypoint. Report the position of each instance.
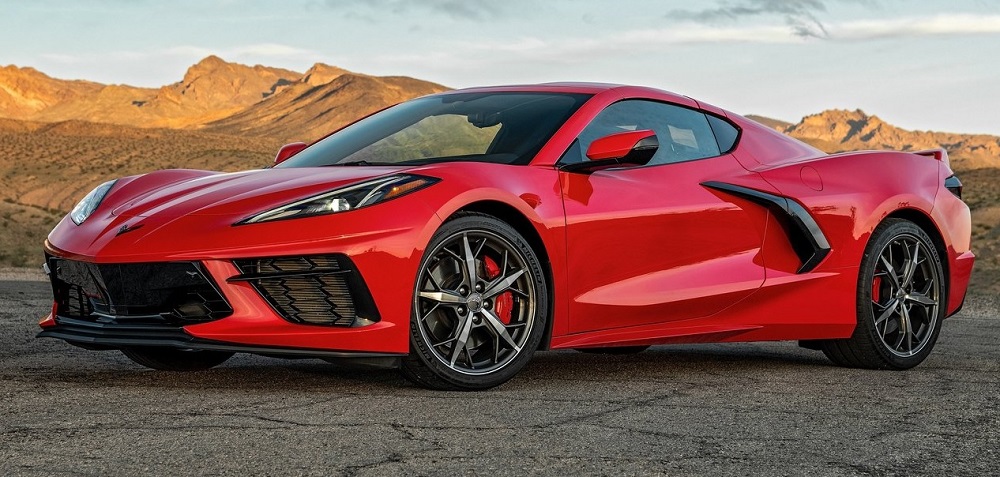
(770, 409)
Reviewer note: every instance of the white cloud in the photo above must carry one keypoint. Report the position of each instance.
(149, 68)
(270, 49)
(185, 50)
(689, 34)
(188, 51)
(940, 25)
(575, 50)
(694, 33)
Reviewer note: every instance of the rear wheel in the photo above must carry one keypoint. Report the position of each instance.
(901, 301)
(170, 359)
(479, 306)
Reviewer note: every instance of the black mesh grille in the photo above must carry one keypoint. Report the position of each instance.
(75, 303)
(294, 264)
(176, 293)
(317, 289)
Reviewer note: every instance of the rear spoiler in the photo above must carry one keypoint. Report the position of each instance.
(939, 154)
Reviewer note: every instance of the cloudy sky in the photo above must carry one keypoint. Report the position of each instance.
(920, 64)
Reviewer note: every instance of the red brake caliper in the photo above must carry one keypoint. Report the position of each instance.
(503, 303)
(877, 290)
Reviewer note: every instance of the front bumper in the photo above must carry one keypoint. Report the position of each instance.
(263, 306)
(97, 336)
(384, 243)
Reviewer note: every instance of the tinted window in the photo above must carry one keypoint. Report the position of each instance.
(445, 135)
(684, 134)
(506, 127)
(725, 133)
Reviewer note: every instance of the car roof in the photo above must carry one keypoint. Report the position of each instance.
(561, 87)
(576, 87)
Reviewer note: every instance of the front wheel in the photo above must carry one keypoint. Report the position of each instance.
(901, 301)
(480, 306)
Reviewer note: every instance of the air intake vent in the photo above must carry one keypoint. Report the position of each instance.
(317, 289)
(173, 293)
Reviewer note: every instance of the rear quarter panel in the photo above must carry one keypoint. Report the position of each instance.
(850, 194)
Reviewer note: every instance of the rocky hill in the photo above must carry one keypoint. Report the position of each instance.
(211, 89)
(776, 124)
(24, 92)
(841, 130)
(307, 111)
(230, 97)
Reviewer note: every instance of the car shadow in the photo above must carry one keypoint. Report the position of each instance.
(247, 373)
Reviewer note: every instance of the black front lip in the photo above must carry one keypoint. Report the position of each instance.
(117, 336)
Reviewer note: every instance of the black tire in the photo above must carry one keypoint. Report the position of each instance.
(171, 359)
(617, 350)
(451, 304)
(909, 304)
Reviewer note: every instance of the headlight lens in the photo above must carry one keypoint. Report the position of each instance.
(348, 198)
(90, 202)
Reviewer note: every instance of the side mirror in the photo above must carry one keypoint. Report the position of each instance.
(632, 147)
(289, 150)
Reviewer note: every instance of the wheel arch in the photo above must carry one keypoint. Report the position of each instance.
(924, 221)
(524, 226)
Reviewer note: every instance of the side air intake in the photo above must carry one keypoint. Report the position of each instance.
(317, 289)
(802, 230)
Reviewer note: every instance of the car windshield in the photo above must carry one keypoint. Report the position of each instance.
(504, 127)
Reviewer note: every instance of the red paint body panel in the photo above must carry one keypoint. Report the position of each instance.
(677, 240)
(635, 256)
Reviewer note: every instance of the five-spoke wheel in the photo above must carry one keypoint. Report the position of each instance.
(905, 295)
(901, 290)
(479, 306)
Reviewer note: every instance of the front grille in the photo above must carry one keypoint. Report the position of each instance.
(172, 293)
(317, 289)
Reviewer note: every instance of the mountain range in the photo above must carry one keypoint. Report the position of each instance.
(838, 130)
(230, 98)
(214, 95)
(59, 138)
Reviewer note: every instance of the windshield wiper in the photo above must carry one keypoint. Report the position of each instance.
(363, 163)
(370, 163)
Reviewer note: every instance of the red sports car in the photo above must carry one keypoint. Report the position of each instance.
(454, 235)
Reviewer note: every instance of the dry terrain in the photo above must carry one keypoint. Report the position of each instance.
(59, 138)
(46, 168)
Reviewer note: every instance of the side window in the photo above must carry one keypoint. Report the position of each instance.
(684, 134)
(726, 134)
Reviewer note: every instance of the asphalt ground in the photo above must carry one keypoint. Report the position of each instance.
(739, 409)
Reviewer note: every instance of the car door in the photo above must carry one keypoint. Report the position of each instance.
(650, 244)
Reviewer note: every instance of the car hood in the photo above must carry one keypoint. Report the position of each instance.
(176, 193)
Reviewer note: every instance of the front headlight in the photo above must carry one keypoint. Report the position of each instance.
(348, 198)
(90, 202)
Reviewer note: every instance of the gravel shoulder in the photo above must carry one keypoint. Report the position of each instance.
(22, 274)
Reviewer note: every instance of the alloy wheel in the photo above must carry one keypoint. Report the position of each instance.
(905, 296)
(475, 302)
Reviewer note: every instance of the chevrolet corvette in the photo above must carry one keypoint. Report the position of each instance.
(453, 235)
